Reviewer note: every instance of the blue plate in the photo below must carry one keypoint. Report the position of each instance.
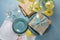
(19, 26)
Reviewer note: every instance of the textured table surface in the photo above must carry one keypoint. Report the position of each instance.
(53, 33)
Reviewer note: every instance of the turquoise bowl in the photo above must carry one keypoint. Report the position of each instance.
(19, 25)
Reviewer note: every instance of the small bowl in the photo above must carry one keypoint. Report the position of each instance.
(19, 25)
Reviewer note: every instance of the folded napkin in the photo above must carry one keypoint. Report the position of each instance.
(25, 9)
(40, 23)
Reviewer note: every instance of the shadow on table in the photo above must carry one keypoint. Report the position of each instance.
(42, 37)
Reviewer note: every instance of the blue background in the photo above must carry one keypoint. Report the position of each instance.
(53, 33)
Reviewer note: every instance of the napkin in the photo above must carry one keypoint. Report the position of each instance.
(6, 32)
(40, 23)
(25, 9)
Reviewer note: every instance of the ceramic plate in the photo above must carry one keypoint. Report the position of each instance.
(19, 25)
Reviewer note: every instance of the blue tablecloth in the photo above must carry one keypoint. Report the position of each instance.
(53, 33)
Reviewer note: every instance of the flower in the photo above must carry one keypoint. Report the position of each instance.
(22, 1)
(32, 0)
(28, 33)
(35, 7)
(48, 12)
(36, 4)
(30, 7)
(49, 4)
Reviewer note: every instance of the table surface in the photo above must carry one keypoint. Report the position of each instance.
(52, 33)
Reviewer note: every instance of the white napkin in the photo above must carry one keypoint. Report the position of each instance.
(6, 32)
